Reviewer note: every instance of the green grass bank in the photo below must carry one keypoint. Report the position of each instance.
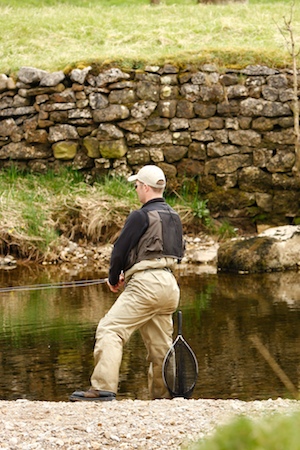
(54, 35)
(38, 210)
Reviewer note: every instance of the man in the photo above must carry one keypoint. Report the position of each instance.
(144, 255)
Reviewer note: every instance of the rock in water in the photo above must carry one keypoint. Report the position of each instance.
(276, 249)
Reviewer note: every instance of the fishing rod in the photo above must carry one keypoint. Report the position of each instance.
(58, 285)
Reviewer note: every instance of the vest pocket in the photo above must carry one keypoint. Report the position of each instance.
(153, 245)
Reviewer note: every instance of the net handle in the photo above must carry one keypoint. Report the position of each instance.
(179, 318)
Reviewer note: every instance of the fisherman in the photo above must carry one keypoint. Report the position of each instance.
(142, 264)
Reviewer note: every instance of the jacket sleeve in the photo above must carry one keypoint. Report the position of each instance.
(135, 226)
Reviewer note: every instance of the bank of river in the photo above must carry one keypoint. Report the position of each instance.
(126, 424)
(70, 257)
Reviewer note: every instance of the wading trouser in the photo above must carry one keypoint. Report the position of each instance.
(147, 303)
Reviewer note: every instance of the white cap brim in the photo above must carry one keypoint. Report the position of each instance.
(132, 178)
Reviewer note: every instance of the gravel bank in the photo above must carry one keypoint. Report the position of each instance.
(125, 424)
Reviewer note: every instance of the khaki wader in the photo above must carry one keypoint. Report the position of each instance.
(150, 298)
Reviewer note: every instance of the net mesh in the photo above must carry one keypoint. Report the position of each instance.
(180, 369)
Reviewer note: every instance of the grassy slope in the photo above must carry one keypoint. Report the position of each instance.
(54, 35)
(35, 209)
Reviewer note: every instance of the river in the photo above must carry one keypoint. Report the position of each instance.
(47, 335)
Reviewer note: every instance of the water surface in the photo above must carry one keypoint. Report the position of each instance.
(47, 336)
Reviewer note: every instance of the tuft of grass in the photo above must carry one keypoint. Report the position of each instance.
(97, 216)
(200, 210)
(192, 208)
(54, 35)
(118, 188)
(272, 433)
(226, 230)
(27, 202)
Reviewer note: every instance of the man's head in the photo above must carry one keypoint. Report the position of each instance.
(153, 176)
(150, 183)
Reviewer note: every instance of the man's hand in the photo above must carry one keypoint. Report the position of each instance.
(117, 286)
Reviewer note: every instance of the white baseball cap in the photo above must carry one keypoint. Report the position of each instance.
(151, 175)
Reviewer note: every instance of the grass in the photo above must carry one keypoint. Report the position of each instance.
(272, 433)
(38, 211)
(54, 35)
(26, 208)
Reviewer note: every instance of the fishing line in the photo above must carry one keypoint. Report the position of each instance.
(58, 285)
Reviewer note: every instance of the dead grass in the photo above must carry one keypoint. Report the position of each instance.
(93, 218)
(20, 245)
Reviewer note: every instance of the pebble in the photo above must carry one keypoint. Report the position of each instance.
(124, 424)
(7, 262)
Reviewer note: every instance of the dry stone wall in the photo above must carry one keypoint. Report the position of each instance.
(229, 134)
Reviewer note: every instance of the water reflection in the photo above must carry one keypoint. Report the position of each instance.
(47, 336)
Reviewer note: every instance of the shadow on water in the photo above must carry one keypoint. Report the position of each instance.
(47, 336)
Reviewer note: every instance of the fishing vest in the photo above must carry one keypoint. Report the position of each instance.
(163, 238)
